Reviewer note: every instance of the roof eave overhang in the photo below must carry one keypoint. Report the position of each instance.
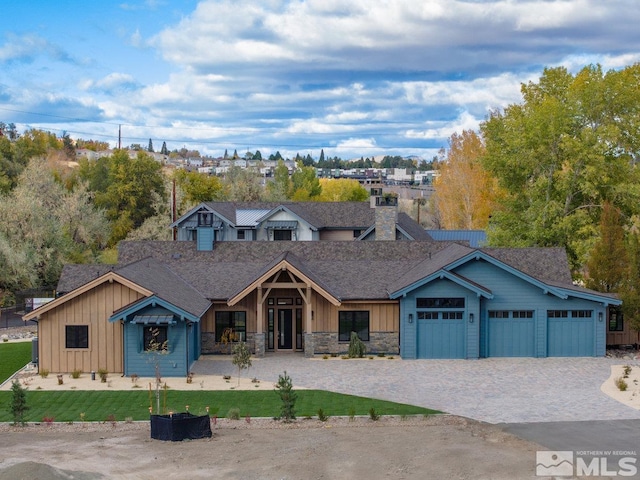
(594, 297)
(109, 277)
(479, 255)
(283, 208)
(404, 232)
(331, 298)
(189, 213)
(441, 275)
(128, 312)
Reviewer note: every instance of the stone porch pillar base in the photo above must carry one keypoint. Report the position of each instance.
(309, 345)
(259, 342)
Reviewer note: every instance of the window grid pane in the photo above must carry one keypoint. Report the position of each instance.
(353, 321)
(77, 336)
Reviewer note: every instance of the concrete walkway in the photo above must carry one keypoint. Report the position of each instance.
(496, 390)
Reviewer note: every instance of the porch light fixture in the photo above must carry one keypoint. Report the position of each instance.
(411, 318)
(471, 318)
(599, 316)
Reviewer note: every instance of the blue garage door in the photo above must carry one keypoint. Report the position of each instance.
(570, 333)
(511, 333)
(441, 335)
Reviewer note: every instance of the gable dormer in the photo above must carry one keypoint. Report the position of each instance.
(200, 225)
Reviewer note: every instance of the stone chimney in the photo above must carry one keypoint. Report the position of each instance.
(386, 216)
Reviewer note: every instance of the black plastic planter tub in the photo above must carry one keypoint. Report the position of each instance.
(179, 426)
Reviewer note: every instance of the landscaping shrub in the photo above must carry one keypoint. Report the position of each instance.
(621, 384)
(357, 348)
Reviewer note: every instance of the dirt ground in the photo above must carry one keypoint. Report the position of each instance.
(391, 448)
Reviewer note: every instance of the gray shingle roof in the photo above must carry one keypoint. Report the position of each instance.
(157, 277)
(322, 215)
(348, 270)
(148, 273)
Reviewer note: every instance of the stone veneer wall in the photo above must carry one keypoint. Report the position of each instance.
(209, 344)
(379, 342)
(314, 343)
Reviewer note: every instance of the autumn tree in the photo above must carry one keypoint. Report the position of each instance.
(464, 192)
(242, 185)
(304, 184)
(43, 226)
(126, 188)
(630, 291)
(608, 265)
(280, 188)
(559, 155)
(93, 145)
(198, 187)
(342, 190)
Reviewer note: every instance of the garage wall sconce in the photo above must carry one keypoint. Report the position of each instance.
(411, 318)
(471, 318)
(599, 316)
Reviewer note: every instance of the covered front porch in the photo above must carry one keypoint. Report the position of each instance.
(282, 310)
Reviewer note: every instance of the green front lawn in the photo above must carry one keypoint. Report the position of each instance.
(13, 356)
(66, 406)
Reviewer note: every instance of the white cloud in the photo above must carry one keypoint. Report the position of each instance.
(444, 129)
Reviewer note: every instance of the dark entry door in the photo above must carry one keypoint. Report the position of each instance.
(285, 329)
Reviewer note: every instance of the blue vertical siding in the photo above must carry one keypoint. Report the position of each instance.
(205, 238)
(511, 337)
(172, 364)
(439, 338)
(571, 337)
(531, 337)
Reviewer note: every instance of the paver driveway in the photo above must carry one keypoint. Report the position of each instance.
(495, 390)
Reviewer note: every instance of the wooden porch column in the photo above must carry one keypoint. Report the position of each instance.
(259, 319)
(308, 312)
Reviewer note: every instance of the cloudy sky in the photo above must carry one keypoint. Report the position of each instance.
(355, 77)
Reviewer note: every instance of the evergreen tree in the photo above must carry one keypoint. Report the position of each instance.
(608, 263)
(235, 155)
(226, 155)
(164, 150)
(68, 146)
(18, 405)
(630, 293)
(257, 155)
(288, 397)
(150, 147)
(321, 159)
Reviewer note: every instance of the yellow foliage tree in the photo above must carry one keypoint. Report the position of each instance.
(464, 192)
(342, 190)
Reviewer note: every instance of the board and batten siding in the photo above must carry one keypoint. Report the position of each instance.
(409, 347)
(512, 293)
(383, 315)
(247, 304)
(93, 309)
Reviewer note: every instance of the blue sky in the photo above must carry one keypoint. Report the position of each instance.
(354, 77)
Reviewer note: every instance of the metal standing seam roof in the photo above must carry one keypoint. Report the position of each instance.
(281, 224)
(154, 319)
(249, 217)
(476, 238)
